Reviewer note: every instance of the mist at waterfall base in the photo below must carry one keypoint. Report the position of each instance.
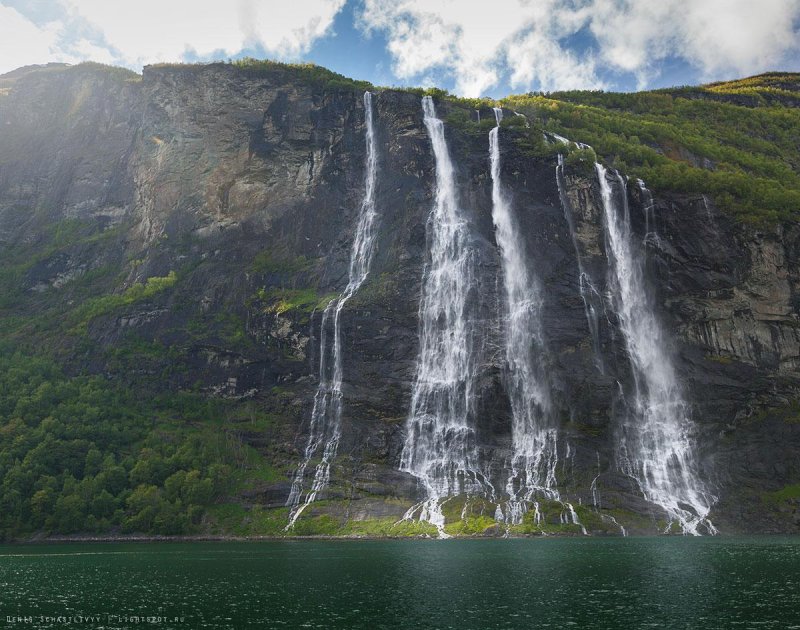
(603, 583)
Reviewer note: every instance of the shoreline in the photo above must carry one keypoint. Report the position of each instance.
(135, 538)
(123, 538)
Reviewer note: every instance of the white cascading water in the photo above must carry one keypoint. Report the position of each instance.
(649, 209)
(534, 436)
(326, 416)
(440, 445)
(657, 448)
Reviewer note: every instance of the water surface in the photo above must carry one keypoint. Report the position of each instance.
(464, 584)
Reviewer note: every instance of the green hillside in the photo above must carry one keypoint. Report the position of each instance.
(736, 141)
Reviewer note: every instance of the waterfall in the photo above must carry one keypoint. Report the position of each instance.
(534, 436)
(591, 296)
(656, 447)
(326, 416)
(440, 445)
(649, 210)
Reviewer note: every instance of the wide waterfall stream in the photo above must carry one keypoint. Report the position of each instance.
(326, 417)
(440, 445)
(656, 447)
(534, 436)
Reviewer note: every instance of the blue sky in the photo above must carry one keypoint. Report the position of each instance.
(470, 48)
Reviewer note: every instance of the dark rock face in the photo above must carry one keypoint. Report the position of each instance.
(248, 187)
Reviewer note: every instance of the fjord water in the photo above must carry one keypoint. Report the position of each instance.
(439, 448)
(656, 445)
(668, 582)
(326, 416)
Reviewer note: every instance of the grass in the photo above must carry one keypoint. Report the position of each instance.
(238, 520)
(280, 301)
(106, 304)
(280, 262)
(790, 492)
(389, 527)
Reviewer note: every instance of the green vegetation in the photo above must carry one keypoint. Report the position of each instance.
(389, 527)
(443, 95)
(785, 494)
(581, 159)
(108, 303)
(309, 72)
(280, 262)
(694, 140)
(115, 73)
(281, 301)
(80, 454)
(235, 519)
(316, 524)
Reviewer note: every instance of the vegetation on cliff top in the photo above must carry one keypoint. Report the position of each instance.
(736, 141)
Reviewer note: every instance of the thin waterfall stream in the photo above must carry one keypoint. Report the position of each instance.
(326, 416)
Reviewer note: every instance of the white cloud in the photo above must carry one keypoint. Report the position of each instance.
(149, 31)
(528, 44)
(23, 43)
(85, 50)
(715, 36)
(475, 42)
(525, 39)
(740, 35)
(535, 59)
(135, 33)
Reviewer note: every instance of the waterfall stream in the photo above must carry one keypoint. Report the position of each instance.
(534, 436)
(440, 445)
(656, 448)
(326, 416)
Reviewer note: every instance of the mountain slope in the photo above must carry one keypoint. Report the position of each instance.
(167, 244)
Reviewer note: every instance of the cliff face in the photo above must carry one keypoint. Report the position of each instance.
(248, 184)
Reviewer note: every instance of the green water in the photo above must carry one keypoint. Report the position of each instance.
(537, 583)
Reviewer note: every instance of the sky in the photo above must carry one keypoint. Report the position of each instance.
(488, 48)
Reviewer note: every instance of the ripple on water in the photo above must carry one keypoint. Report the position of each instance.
(646, 582)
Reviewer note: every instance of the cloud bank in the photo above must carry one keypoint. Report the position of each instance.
(533, 41)
(473, 46)
(135, 33)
